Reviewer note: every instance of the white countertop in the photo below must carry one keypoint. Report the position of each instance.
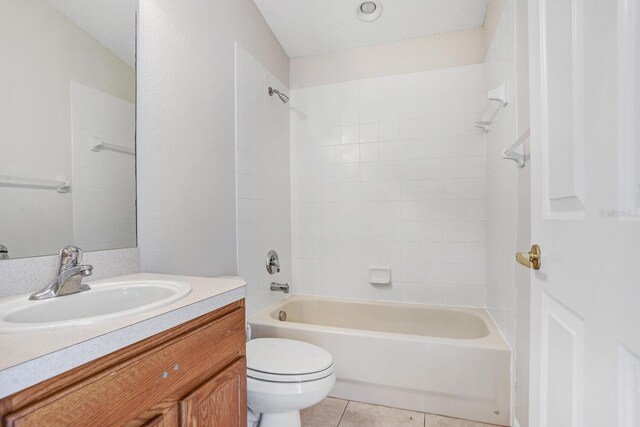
(29, 358)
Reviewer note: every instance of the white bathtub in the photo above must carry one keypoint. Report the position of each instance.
(437, 359)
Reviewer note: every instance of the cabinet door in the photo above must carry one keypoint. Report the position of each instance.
(219, 402)
(163, 420)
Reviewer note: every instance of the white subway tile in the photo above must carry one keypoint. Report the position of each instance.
(411, 149)
(390, 190)
(370, 152)
(370, 191)
(432, 148)
(350, 153)
(370, 171)
(389, 150)
(350, 115)
(369, 132)
(369, 113)
(410, 129)
(350, 134)
(410, 109)
(390, 111)
(404, 157)
(332, 135)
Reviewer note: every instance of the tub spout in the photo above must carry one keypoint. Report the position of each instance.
(284, 287)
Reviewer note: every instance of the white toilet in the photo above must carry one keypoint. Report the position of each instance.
(283, 377)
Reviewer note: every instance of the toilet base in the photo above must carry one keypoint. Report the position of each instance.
(281, 419)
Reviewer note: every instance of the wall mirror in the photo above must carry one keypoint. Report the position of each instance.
(67, 126)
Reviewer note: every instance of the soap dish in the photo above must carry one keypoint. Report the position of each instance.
(379, 275)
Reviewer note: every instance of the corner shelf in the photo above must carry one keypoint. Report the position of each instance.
(510, 154)
(498, 98)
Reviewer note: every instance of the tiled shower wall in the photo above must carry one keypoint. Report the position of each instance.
(502, 179)
(390, 172)
(263, 180)
(508, 199)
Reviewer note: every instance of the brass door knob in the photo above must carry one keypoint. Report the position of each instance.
(530, 259)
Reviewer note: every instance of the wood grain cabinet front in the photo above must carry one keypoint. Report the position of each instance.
(221, 401)
(191, 375)
(169, 419)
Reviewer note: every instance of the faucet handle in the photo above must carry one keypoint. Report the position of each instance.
(273, 262)
(70, 256)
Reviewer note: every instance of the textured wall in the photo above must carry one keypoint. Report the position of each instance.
(186, 141)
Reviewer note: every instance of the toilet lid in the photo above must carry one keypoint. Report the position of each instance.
(277, 357)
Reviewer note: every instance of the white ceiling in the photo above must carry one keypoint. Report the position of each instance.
(311, 27)
(112, 23)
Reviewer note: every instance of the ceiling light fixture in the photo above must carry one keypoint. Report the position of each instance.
(368, 7)
(369, 11)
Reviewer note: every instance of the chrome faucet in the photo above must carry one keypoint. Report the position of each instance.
(284, 287)
(69, 278)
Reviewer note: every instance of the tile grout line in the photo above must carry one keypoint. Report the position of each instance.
(343, 412)
(455, 420)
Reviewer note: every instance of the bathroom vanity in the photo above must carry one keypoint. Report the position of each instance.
(182, 364)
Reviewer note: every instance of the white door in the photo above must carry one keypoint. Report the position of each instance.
(585, 144)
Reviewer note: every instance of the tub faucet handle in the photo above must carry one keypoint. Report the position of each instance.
(273, 262)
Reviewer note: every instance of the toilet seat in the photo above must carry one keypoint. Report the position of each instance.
(285, 378)
(287, 361)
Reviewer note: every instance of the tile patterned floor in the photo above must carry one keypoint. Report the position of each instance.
(333, 412)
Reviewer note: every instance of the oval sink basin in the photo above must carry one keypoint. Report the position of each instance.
(104, 301)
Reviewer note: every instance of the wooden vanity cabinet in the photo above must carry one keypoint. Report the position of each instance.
(191, 375)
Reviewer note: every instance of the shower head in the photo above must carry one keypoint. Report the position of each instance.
(284, 98)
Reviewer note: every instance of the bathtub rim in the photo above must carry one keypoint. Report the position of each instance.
(493, 340)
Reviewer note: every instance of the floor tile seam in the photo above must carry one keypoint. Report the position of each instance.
(344, 411)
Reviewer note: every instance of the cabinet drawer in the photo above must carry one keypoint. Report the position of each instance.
(120, 393)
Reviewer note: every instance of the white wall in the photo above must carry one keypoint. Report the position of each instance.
(492, 21)
(523, 239)
(445, 50)
(390, 171)
(186, 149)
(263, 180)
(43, 51)
(508, 197)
